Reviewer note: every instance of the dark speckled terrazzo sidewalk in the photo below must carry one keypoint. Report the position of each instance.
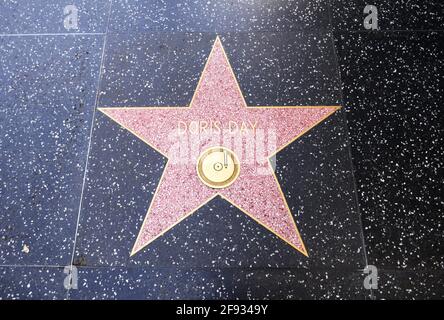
(364, 186)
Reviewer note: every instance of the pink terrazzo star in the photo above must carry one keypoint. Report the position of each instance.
(216, 111)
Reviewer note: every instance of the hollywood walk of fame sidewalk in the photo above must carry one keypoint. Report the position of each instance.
(362, 186)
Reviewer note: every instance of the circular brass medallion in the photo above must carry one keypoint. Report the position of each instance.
(218, 167)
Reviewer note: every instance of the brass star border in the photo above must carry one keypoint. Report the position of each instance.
(217, 40)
